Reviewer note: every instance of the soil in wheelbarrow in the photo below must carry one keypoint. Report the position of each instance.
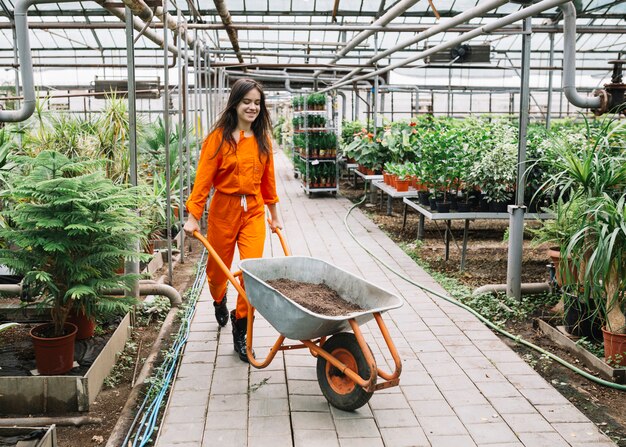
(318, 298)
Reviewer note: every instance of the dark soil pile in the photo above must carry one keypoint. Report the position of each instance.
(318, 298)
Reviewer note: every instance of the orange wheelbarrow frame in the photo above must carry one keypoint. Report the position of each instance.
(316, 347)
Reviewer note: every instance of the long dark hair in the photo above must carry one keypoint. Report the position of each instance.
(261, 126)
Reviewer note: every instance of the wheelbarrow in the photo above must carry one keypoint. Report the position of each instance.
(346, 370)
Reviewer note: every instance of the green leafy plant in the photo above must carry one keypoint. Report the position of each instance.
(72, 228)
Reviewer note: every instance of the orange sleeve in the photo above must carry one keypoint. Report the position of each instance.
(205, 174)
(268, 181)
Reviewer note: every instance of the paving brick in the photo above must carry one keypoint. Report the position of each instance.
(527, 423)
(580, 433)
(302, 373)
(269, 426)
(451, 441)
(206, 345)
(269, 407)
(259, 375)
(307, 387)
(441, 425)
(268, 391)
(227, 419)
(190, 414)
(315, 438)
(311, 421)
(356, 428)
(218, 437)
(395, 418)
(172, 434)
(308, 403)
(512, 405)
(544, 396)
(455, 382)
(495, 433)
(403, 437)
(224, 374)
(470, 396)
(360, 413)
(388, 401)
(229, 387)
(362, 442)
(542, 440)
(199, 371)
(270, 441)
(561, 413)
(422, 392)
(199, 357)
(232, 402)
(431, 408)
(188, 398)
(477, 414)
(497, 389)
(192, 383)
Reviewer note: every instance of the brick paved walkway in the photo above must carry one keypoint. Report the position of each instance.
(460, 386)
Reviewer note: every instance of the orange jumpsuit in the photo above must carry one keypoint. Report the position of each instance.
(244, 183)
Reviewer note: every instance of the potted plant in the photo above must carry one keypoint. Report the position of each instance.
(72, 226)
(495, 171)
(590, 168)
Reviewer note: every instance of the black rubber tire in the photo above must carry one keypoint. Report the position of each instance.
(343, 344)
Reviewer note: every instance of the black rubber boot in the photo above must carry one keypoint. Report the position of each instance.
(240, 328)
(221, 312)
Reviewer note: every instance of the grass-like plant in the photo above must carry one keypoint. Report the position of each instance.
(69, 228)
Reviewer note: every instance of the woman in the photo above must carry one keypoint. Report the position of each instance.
(236, 160)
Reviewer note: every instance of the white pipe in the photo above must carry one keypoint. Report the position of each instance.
(507, 20)
(441, 27)
(527, 288)
(394, 12)
(26, 62)
(569, 61)
(145, 288)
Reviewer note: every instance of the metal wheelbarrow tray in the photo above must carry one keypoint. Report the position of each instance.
(346, 370)
(297, 322)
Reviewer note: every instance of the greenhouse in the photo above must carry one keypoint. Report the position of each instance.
(317, 223)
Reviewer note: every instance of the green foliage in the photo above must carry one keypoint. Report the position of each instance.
(71, 228)
(124, 365)
(497, 308)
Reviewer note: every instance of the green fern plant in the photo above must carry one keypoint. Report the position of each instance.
(70, 228)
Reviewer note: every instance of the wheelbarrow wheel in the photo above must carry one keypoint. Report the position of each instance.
(340, 391)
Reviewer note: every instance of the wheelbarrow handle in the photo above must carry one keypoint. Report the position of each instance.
(219, 261)
(281, 237)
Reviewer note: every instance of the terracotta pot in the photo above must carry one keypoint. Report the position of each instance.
(614, 344)
(554, 253)
(54, 355)
(402, 185)
(86, 326)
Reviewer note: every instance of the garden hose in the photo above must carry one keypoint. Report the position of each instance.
(489, 324)
(143, 426)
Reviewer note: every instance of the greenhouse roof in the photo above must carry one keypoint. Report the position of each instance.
(307, 36)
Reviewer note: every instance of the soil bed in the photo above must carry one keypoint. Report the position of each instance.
(17, 354)
(112, 398)
(318, 298)
(486, 263)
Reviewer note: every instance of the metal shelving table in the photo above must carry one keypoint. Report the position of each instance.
(449, 217)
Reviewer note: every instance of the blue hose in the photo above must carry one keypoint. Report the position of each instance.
(143, 426)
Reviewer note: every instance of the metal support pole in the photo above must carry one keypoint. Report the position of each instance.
(375, 92)
(166, 128)
(186, 110)
(17, 87)
(132, 265)
(196, 95)
(516, 221)
(207, 81)
(181, 133)
(550, 74)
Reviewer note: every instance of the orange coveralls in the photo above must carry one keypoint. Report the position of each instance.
(244, 183)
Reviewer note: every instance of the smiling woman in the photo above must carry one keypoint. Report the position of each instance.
(237, 161)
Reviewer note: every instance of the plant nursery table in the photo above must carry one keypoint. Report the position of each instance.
(392, 193)
(449, 217)
(368, 179)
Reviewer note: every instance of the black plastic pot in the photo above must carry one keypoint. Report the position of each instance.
(464, 207)
(454, 201)
(483, 205)
(423, 197)
(581, 318)
(433, 203)
(497, 207)
(443, 207)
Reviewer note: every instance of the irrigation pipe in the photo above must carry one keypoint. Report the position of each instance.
(489, 324)
(143, 425)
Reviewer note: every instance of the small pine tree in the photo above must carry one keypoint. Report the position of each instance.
(70, 228)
